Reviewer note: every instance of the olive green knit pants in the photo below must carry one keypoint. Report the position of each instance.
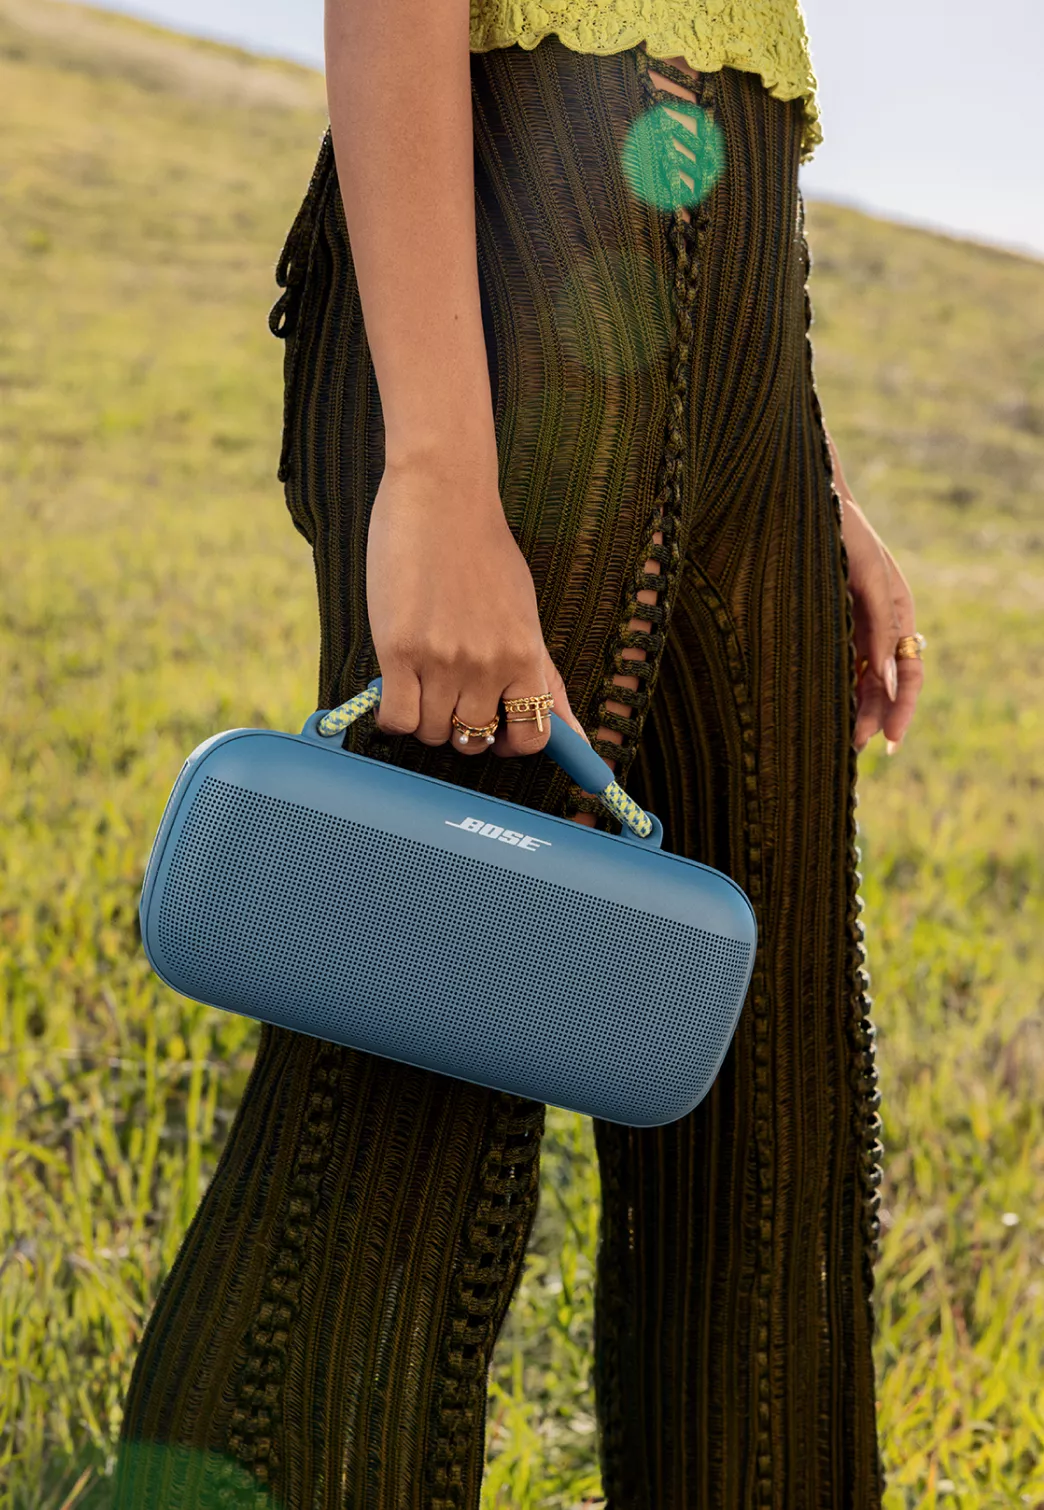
(324, 1336)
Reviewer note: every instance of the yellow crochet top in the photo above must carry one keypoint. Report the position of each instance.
(761, 36)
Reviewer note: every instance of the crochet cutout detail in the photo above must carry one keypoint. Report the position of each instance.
(664, 527)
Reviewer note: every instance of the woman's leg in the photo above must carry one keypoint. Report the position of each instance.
(327, 1327)
(733, 1325)
(324, 1336)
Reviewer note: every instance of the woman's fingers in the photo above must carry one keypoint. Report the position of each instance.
(873, 612)
(514, 736)
(440, 699)
(880, 598)
(874, 703)
(911, 679)
(884, 613)
(883, 625)
(896, 719)
(425, 709)
(477, 704)
(518, 733)
(399, 707)
(507, 738)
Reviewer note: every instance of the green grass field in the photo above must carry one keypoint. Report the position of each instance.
(148, 182)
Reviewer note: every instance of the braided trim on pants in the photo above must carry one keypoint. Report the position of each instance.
(862, 1032)
(255, 1423)
(489, 1272)
(668, 511)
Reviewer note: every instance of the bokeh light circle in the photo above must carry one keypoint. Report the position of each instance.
(653, 165)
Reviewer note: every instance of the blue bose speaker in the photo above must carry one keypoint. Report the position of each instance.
(296, 882)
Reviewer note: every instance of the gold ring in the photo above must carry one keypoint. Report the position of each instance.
(908, 648)
(475, 731)
(539, 704)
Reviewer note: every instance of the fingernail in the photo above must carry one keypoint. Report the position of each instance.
(891, 745)
(891, 678)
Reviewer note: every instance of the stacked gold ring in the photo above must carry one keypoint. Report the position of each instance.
(533, 708)
(475, 731)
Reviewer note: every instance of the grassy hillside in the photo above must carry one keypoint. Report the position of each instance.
(148, 182)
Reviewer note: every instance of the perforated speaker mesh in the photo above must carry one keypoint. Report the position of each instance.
(396, 947)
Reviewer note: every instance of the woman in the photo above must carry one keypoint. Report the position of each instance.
(577, 450)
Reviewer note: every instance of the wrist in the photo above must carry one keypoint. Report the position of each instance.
(458, 485)
(439, 411)
(460, 453)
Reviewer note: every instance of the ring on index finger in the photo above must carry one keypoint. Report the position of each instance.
(537, 705)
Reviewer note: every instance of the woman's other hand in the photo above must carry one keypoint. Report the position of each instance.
(452, 606)
(883, 610)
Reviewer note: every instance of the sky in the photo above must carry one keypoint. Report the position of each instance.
(933, 110)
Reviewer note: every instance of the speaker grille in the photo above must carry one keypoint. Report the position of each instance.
(295, 916)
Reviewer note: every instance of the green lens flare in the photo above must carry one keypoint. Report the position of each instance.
(150, 1475)
(652, 164)
(620, 279)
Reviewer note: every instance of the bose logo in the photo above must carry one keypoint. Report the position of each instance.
(494, 831)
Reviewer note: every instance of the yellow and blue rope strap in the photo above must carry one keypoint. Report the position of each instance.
(626, 809)
(613, 795)
(339, 718)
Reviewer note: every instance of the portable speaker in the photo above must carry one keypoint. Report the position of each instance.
(296, 882)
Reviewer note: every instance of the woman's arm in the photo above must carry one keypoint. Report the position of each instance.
(449, 595)
(399, 91)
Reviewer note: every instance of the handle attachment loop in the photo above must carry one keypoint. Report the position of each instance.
(565, 746)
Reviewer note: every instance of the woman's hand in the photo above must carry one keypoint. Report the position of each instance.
(452, 607)
(883, 610)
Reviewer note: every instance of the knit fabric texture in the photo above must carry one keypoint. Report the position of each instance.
(324, 1336)
(766, 37)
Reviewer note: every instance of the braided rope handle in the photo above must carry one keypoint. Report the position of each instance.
(612, 794)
